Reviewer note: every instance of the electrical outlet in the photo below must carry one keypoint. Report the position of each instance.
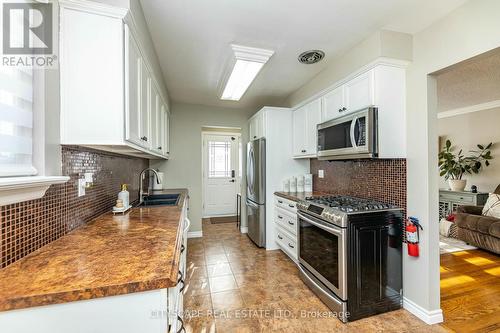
(81, 187)
(321, 173)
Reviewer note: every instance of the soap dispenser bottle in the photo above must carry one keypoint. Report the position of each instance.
(124, 195)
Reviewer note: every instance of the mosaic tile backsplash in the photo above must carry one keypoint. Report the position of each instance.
(378, 179)
(27, 226)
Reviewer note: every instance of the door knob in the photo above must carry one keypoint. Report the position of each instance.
(231, 181)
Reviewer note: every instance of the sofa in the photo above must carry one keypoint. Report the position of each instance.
(478, 230)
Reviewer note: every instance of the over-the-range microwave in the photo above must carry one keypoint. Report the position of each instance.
(352, 136)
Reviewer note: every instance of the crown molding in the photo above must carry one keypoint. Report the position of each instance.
(251, 53)
(94, 7)
(469, 109)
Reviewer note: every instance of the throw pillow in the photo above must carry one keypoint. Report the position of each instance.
(492, 206)
(444, 227)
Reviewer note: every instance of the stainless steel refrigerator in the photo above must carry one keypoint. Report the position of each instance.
(256, 191)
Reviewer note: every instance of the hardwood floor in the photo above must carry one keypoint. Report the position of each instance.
(470, 291)
(233, 286)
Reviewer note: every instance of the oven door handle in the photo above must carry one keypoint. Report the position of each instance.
(319, 225)
(353, 136)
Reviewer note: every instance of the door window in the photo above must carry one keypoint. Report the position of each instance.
(219, 159)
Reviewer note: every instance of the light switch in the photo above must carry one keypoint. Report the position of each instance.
(321, 173)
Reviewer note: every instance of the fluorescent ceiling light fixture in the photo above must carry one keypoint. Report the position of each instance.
(245, 65)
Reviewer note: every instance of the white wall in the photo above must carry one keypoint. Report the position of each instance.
(465, 132)
(466, 32)
(183, 169)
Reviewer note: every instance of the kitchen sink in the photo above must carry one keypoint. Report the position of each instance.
(161, 200)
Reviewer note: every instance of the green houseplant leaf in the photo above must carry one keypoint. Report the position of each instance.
(453, 166)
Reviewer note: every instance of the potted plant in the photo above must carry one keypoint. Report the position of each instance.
(453, 167)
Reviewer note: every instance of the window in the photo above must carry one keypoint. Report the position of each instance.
(219, 159)
(16, 121)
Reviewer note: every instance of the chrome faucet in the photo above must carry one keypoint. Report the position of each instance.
(141, 191)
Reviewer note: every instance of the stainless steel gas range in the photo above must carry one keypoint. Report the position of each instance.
(350, 254)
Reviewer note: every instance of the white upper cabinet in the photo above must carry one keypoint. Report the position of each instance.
(165, 132)
(109, 97)
(305, 121)
(91, 71)
(299, 131)
(257, 125)
(359, 92)
(155, 120)
(382, 86)
(144, 122)
(133, 103)
(333, 104)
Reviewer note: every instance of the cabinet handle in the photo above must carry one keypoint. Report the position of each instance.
(255, 136)
(280, 237)
(182, 248)
(279, 201)
(291, 206)
(344, 108)
(159, 148)
(280, 217)
(303, 150)
(293, 247)
(144, 138)
(181, 280)
(182, 329)
(291, 223)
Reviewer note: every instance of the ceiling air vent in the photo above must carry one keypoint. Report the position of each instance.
(311, 57)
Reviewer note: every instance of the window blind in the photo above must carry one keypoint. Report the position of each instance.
(16, 121)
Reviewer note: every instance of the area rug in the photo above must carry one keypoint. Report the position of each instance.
(450, 245)
(223, 219)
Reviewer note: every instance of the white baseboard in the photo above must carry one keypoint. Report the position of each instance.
(244, 230)
(195, 234)
(429, 317)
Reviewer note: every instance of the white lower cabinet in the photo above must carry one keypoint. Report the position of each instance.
(285, 221)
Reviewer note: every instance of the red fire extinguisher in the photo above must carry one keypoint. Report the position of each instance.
(412, 236)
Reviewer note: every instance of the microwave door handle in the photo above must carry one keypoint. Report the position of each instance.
(353, 137)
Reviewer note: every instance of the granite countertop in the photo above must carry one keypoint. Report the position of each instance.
(111, 255)
(298, 196)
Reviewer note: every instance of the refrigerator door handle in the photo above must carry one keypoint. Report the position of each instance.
(252, 204)
(250, 170)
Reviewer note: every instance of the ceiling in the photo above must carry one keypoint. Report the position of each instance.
(192, 39)
(471, 82)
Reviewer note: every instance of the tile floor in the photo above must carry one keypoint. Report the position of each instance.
(233, 286)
